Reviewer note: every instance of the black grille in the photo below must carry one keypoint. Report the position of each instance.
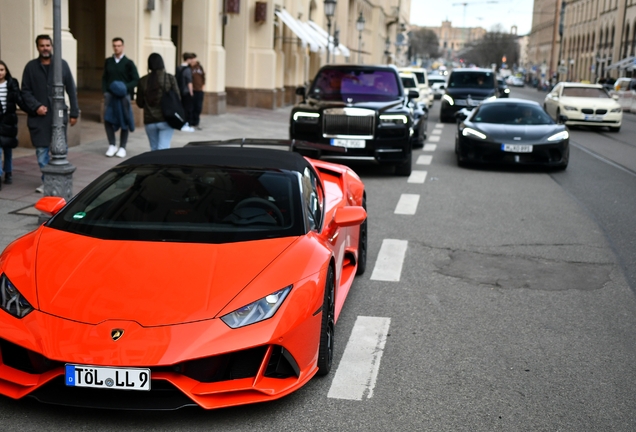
(587, 111)
(281, 364)
(335, 124)
(25, 360)
(240, 364)
(601, 111)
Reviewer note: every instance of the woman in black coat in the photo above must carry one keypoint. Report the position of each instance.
(9, 98)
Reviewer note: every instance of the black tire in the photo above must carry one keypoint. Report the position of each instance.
(362, 243)
(558, 113)
(615, 129)
(404, 169)
(325, 349)
(562, 167)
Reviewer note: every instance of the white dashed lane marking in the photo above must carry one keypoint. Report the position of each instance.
(434, 138)
(424, 160)
(436, 131)
(439, 125)
(407, 205)
(430, 147)
(417, 177)
(358, 370)
(388, 266)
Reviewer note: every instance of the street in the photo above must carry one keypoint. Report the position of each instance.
(509, 303)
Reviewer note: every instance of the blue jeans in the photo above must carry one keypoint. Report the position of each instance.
(159, 135)
(7, 165)
(42, 153)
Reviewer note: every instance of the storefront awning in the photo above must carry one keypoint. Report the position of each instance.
(324, 36)
(622, 64)
(297, 27)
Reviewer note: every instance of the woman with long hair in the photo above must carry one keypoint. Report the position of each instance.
(151, 89)
(9, 98)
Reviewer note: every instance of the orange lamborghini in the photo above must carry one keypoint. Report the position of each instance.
(207, 275)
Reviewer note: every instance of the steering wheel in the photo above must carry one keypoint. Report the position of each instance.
(261, 202)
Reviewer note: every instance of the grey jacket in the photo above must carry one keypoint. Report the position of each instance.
(37, 90)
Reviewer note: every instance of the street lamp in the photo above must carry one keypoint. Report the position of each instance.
(360, 26)
(387, 49)
(330, 9)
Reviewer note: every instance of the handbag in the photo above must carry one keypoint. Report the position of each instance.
(8, 142)
(171, 107)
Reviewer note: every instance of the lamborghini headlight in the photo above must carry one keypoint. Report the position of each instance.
(470, 132)
(559, 136)
(448, 99)
(260, 310)
(306, 117)
(393, 119)
(12, 301)
(570, 108)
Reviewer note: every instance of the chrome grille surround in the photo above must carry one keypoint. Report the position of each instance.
(348, 122)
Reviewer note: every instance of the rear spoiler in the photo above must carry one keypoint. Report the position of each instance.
(291, 145)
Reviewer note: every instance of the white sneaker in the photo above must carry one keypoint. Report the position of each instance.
(40, 189)
(187, 128)
(121, 152)
(111, 151)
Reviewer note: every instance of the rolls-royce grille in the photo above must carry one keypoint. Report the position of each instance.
(348, 125)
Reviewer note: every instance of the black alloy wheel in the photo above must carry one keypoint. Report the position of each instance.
(325, 349)
(362, 243)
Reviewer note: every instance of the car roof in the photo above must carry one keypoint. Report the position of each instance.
(575, 84)
(472, 70)
(502, 101)
(233, 157)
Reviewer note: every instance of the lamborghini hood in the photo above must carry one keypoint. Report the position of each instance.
(153, 283)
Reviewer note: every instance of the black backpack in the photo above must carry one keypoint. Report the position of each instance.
(171, 107)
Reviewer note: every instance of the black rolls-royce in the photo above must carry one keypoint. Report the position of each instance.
(362, 109)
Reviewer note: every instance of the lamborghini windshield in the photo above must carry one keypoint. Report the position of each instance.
(357, 85)
(179, 203)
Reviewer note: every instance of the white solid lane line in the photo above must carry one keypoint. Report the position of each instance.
(407, 205)
(358, 370)
(430, 147)
(424, 160)
(434, 138)
(417, 177)
(388, 266)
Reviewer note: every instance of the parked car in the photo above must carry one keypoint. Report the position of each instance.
(438, 85)
(426, 94)
(467, 88)
(625, 84)
(511, 131)
(362, 109)
(584, 105)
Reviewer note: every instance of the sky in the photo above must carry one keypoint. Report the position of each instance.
(478, 13)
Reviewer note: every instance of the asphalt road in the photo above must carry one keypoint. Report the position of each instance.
(513, 310)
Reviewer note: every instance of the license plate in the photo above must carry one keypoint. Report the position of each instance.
(516, 148)
(594, 118)
(107, 377)
(348, 143)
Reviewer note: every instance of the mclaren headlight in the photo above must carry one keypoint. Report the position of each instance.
(393, 119)
(306, 117)
(472, 133)
(448, 99)
(12, 301)
(559, 136)
(257, 311)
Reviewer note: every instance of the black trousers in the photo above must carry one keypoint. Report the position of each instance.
(197, 108)
(188, 104)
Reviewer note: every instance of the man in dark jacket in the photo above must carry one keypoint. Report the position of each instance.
(37, 95)
(118, 68)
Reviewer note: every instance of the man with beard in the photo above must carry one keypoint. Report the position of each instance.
(37, 94)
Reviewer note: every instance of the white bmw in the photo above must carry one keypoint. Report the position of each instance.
(578, 104)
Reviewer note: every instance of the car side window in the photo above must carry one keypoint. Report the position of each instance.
(313, 199)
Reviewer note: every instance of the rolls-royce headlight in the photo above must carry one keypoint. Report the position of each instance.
(616, 110)
(560, 136)
(306, 117)
(393, 119)
(257, 311)
(448, 99)
(570, 108)
(470, 132)
(11, 300)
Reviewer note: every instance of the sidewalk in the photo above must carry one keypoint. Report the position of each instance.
(17, 215)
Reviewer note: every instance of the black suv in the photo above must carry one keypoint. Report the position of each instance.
(361, 109)
(467, 88)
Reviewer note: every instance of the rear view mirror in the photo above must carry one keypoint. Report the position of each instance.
(462, 114)
(349, 216)
(413, 94)
(615, 97)
(562, 119)
(300, 91)
(50, 206)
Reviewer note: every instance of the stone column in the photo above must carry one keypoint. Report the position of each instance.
(251, 61)
(202, 32)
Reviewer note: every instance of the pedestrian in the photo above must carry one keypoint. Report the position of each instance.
(37, 93)
(198, 84)
(121, 70)
(151, 89)
(9, 98)
(184, 79)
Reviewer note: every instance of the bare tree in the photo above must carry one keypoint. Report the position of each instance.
(492, 48)
(423, 43)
